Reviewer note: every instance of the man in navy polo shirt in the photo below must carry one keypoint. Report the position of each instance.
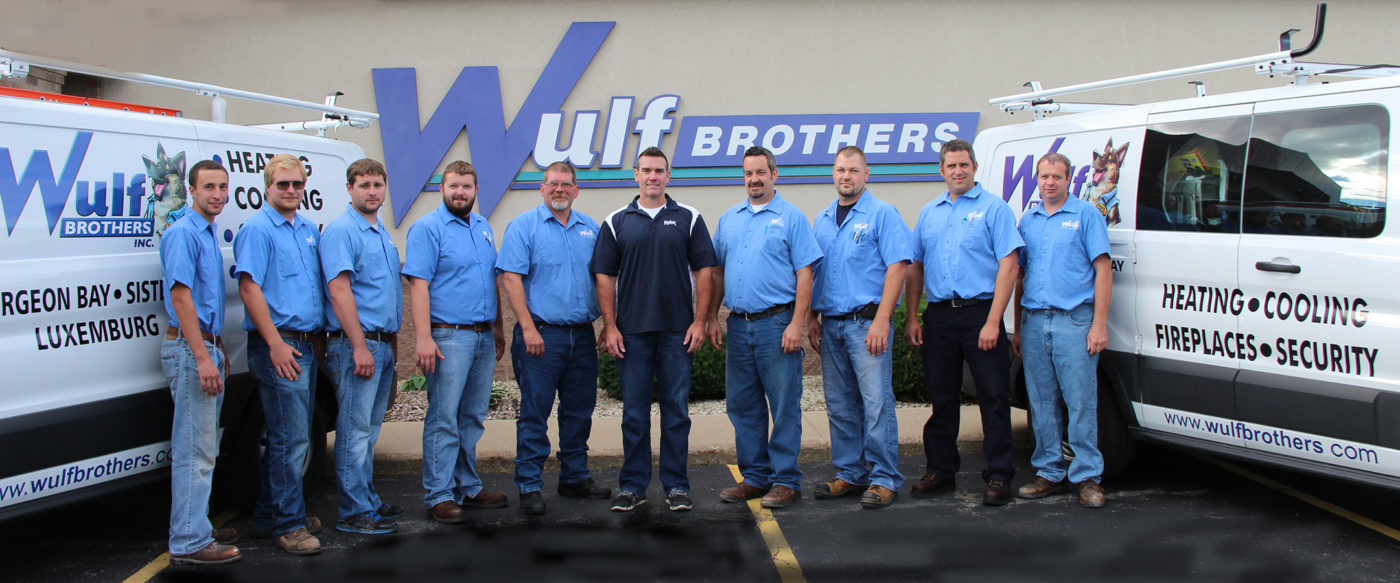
(450, 266)
(1061, 327)
(361, 267)
(766, 251)
(279, 280)
(652, 256)
(544, 270)
(192, 358)
(856, 287)
(964, 251)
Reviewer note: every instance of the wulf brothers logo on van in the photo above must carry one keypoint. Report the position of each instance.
(137, 201)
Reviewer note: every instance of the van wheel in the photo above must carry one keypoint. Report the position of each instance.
(1116, 445)
(251, 445)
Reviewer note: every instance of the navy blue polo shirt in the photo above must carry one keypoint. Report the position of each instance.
(652, 260)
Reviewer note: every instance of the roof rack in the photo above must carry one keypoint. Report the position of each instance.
(1279, 63)
(13, 64)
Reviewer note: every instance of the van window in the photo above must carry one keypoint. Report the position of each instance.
(1318, 172)
(1191, 176)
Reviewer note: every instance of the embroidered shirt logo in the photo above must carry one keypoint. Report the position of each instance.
(1070, 224)
(586, 233)
(668, 222)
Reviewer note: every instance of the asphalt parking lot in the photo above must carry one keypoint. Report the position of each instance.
(1175, 517)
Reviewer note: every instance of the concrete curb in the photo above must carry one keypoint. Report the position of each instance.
(400, 447)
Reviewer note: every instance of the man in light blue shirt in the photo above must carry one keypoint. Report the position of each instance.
(544, 270)
(1061, 327)
(279, 281)
(192, 358)
(766, 251)
(865, 248)
(457, 324)
(361, 267)
(965, 246)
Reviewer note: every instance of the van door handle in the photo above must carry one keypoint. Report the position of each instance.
(1277, 267)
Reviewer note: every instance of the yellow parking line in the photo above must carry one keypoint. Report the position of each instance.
(1304, 496)
(786, 562)
(159, 564)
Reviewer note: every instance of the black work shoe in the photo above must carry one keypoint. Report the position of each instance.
(367, 523)
(678, 500)
(627, 502)
(532, 503)
(390, 512)
(997, 494)
(585, 489)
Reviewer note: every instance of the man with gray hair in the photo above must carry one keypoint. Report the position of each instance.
(544, 269)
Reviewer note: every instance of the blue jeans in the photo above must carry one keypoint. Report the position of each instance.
(860, 405)
(194, 443)
(659, 355)
(287, 409)
(1054, 348)
(569, 366)
(459, 393)
(759, 377)
(362, 405)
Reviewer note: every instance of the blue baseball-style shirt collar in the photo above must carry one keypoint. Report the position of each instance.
(457, 257)
(282, 258)
(190, 255)
(761, 253)
(1059, 254)
(856, 254)
(552, 260)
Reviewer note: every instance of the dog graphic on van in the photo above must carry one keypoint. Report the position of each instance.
(1103, 182)
(165, 181)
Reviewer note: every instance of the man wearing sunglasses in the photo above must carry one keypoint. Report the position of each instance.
(279, 280)
(450, 265)
(544, 270)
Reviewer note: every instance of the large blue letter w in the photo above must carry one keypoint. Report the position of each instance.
(474, 103)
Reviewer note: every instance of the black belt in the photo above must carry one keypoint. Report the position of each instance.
(173, 333)
(765, 313)
(544, 324)
(866, 312)
(477, 327)
(379, 336)
(958, 302)
(299, 335)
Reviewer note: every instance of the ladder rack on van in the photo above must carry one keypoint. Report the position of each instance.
(1279, 63)
(13, 64)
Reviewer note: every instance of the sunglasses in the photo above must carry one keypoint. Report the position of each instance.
(292, 184)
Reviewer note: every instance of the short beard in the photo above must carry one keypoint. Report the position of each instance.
(559, 205)
(464, 212)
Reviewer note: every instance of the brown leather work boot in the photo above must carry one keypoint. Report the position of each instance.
(836, 489)
(741, 492)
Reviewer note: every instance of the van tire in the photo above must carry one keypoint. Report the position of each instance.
(249, 446)
(1115, 443)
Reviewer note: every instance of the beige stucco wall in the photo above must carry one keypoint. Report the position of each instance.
(721, 58)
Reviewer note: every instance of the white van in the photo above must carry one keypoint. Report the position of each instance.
(1256, 312)
(85, 193)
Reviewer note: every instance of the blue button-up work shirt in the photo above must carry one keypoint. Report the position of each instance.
(961, 242)
(190, 255)
(457, 257)
(856, 254)
(281, 256)
(552, 260)
(761, 253)
(352, 244)
(1058, 259)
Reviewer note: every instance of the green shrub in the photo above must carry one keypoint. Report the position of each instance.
(908, 365)
(706, 375)
(414, 383)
